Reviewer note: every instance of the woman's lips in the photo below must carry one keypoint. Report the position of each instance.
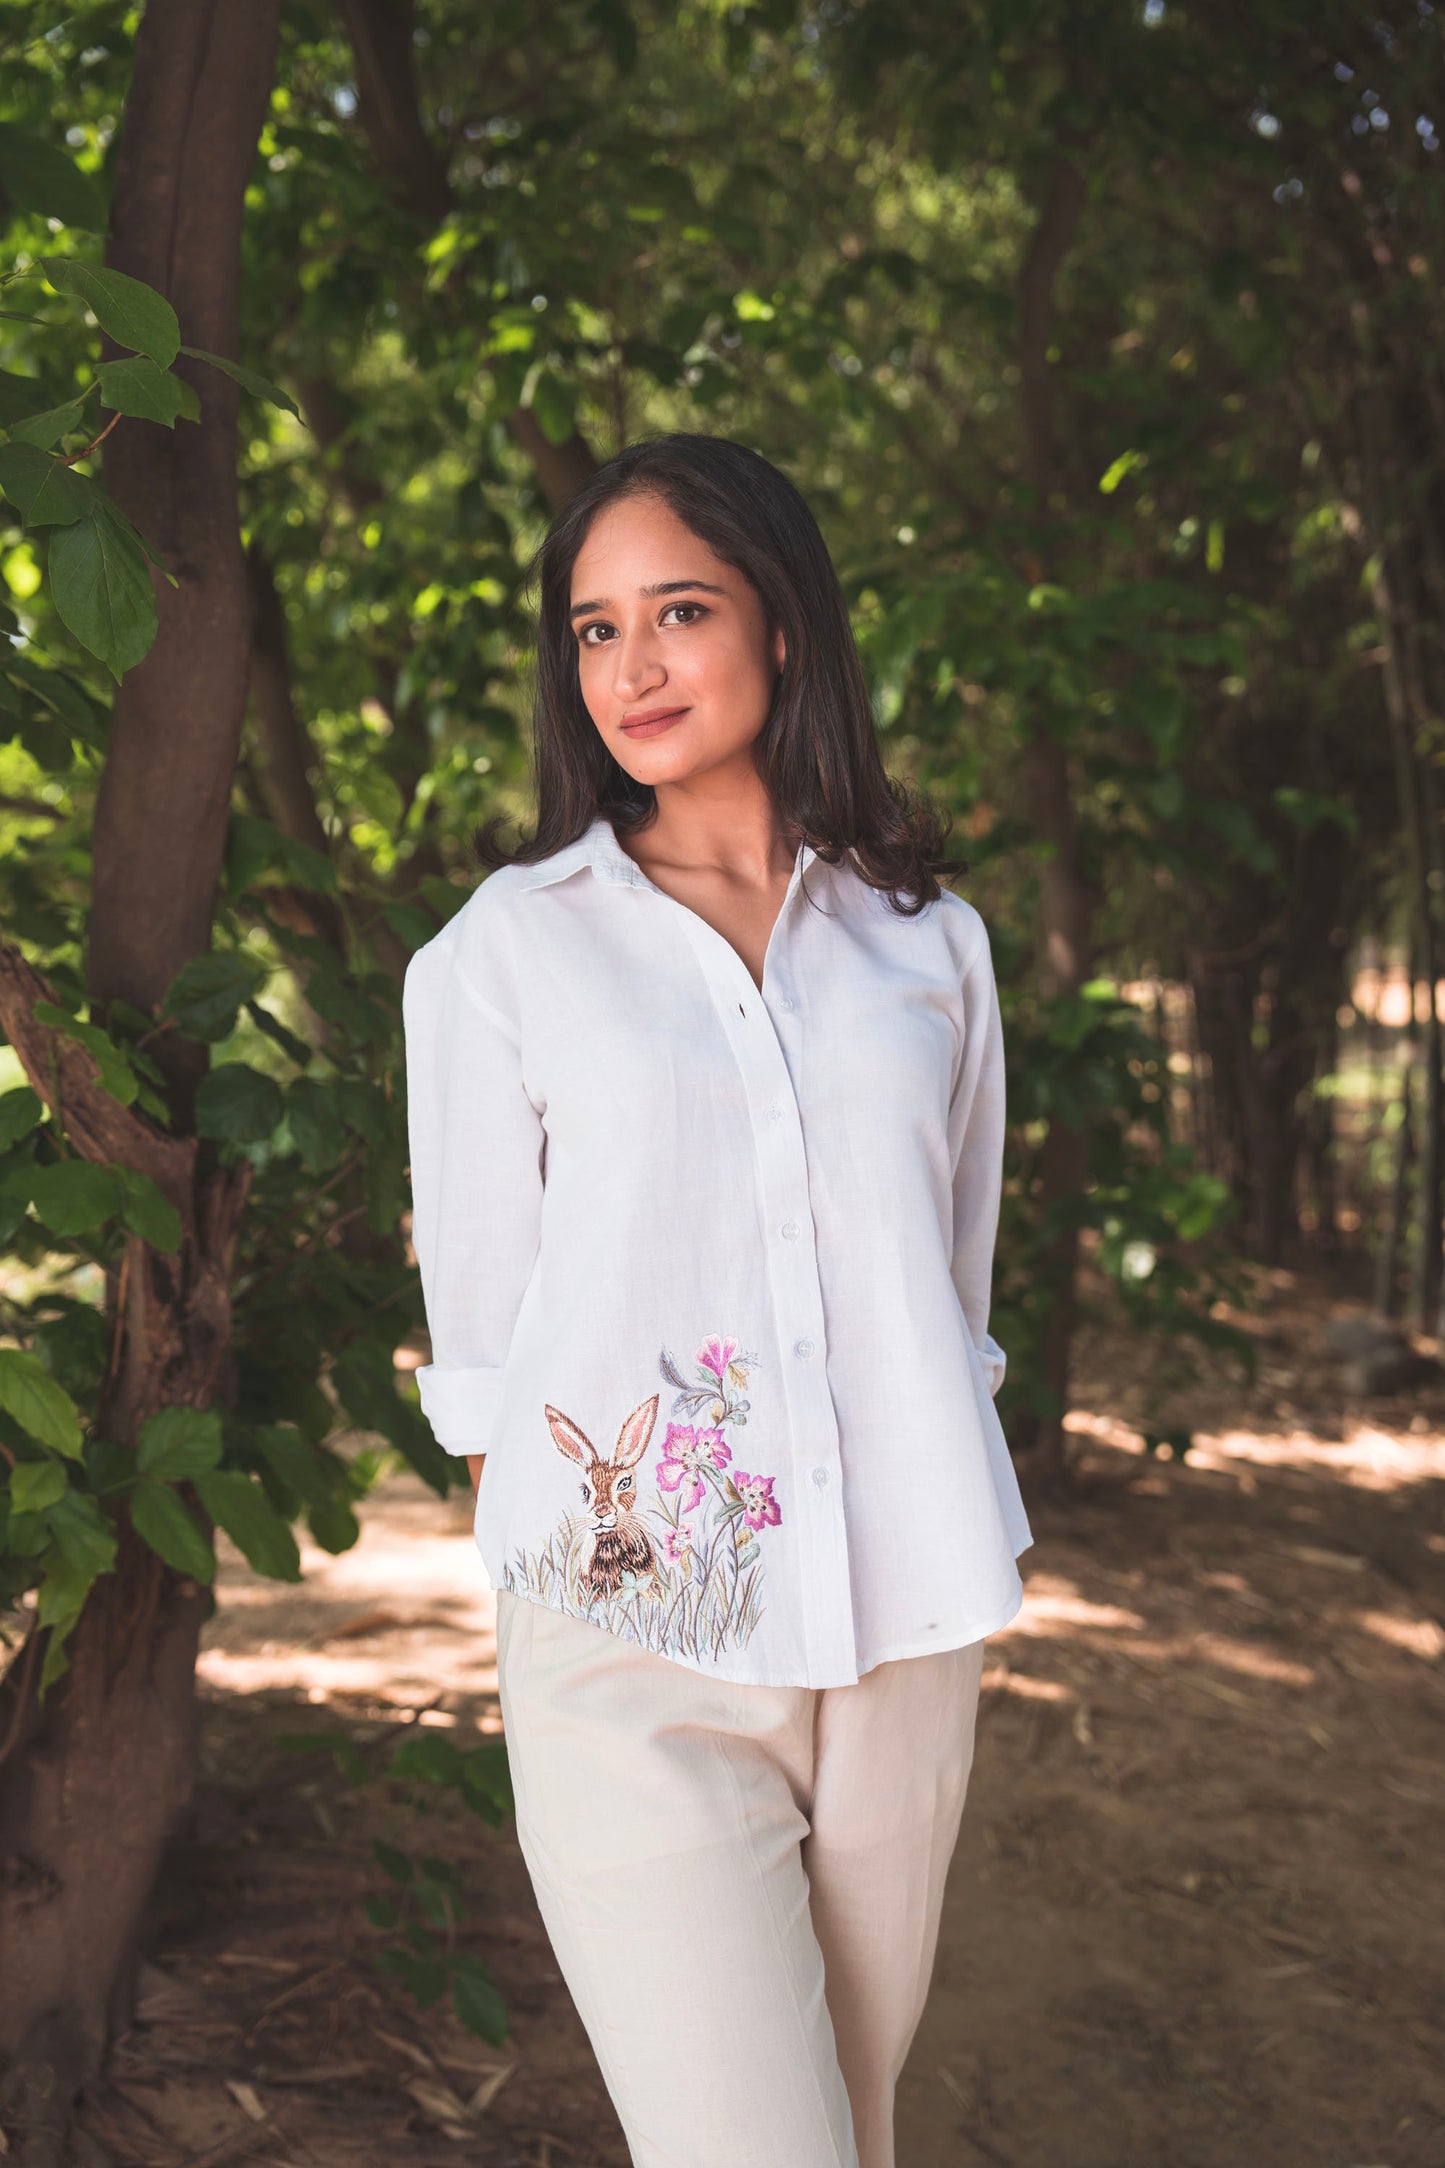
(652, 724)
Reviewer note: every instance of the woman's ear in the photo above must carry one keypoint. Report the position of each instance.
(780, 651)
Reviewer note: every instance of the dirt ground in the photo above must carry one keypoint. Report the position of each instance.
(1196, 1918)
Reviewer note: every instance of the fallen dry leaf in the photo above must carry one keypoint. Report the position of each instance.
(405, 2047)
(489, 2088)
(247, 2099)
(436, 2100)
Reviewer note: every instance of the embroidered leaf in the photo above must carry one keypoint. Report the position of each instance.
(669, 1369)
(747, 1554)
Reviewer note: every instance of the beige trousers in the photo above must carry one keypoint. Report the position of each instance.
(742, 1884)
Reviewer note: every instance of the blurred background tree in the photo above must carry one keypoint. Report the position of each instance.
(1103, 338)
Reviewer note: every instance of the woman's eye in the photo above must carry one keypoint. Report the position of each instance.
(696, 607)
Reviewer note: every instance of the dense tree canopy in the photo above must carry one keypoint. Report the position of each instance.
(1105, 340)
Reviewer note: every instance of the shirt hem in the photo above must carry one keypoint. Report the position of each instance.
(953, 1637)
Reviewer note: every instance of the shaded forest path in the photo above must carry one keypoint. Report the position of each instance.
(1191, 1918)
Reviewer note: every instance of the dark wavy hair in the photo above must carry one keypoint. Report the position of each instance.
(818, 751)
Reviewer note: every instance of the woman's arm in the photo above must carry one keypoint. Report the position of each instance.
(976, 1137)
(477, 1146)
(476, 1462)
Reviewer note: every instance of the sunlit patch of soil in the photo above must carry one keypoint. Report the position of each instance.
(1193, 1918)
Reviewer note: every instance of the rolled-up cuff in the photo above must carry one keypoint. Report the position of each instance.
(994, 1361)
(460, 1405)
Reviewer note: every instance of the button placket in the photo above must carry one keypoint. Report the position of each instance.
(825, 1583)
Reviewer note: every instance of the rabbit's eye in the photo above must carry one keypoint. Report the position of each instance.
(586, 1490)
(626, 1483)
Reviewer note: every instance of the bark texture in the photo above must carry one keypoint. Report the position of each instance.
(94, 1777)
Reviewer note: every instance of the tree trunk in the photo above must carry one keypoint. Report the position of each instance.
(94, 1777)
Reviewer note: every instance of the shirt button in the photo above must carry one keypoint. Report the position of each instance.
(775, 1111)
(788, 1002)
(790, 1230)
(820, 1477)
(803, 1347)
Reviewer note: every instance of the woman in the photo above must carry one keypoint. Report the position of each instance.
(707, 1105)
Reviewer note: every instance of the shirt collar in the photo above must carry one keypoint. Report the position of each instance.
(599, 848)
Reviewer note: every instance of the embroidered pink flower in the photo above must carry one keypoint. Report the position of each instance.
(685, 1451)
(677, 1543)
(760, 1507)
(715, 1354)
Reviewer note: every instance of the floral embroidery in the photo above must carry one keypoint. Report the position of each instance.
(683, 1452)
(681, 1574)
(760, 1508)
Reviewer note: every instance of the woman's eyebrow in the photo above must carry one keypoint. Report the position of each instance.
(663, 587)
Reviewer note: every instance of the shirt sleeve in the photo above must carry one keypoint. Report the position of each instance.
(476, 1143)
(976, 1138)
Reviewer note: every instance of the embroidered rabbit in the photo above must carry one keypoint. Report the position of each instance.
(618, 1541)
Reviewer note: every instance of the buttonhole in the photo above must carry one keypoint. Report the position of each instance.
(741, 1010)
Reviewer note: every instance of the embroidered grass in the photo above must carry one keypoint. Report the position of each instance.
(702, 1592)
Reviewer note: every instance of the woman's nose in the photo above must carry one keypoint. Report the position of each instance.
(638, 666)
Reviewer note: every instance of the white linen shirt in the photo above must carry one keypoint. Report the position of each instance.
(707, 1270)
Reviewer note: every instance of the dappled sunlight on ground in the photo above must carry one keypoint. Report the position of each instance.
(1191, 1919)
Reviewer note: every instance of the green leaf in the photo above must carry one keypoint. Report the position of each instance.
(364, 1108)
(1121, 467)
(238, 1104)
(60, 693)
(381, 1911)
(315, 1123)
(136, 386)
(242, 1508)
(73, 1196)
(134, 314)
(41, 179)
(295, 1049)
(32, 1398)
(85, 1535)
(260, 387)
(487, 1781)
(429, 1756)
(37, 1485)
(255, 846)
(477, 1999)
(425, 1977)
(399, 1865)
(43, 491)
(101, 587)
(162, 1519)
(555, 405)
(21, 1111)
(334, 1524)
(205, 996)
(294, 1459)
(63, 1591)
(148, 1212)
(47, 429)
(177, 1443)
(113, 1068)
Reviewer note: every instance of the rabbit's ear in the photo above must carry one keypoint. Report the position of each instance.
(634, 1434)
(569, 1439)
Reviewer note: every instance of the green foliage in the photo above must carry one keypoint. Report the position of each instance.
(421, 1910)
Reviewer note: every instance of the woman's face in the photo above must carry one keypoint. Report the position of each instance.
(674, 656)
